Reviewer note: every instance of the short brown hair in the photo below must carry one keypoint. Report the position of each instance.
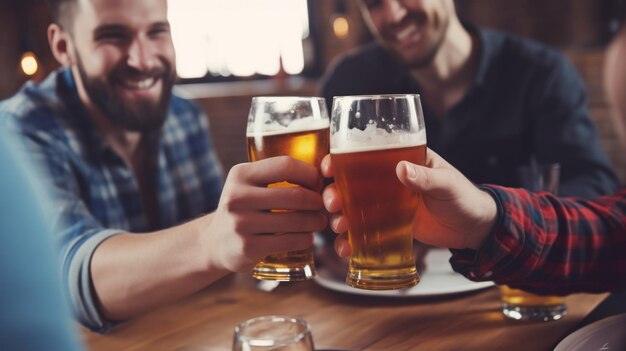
(62, 11)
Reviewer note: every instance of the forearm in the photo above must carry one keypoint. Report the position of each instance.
(553, 245)
(580, 245)
(133, 273)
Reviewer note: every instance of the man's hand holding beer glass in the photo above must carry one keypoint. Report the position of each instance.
(243, 220)
(452, 212)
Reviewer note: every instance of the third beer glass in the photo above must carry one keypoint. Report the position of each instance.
(369, 136)
(273, 333)
(296, 127)
(519, 304)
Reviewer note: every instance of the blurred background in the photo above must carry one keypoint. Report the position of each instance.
(231, 50)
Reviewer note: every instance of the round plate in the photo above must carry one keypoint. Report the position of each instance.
(437, 279)
(605, 334)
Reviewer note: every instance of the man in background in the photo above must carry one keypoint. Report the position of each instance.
(132, 171)
(493, 103)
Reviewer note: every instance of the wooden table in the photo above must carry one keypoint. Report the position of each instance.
(471, 321)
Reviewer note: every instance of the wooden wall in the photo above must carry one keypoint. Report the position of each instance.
(23, 25)
(9, 49)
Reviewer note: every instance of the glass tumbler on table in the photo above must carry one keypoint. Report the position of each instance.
(287, 126)
(273, 333)
(519, 304)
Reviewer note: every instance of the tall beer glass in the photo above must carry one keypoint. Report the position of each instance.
(369, 136)
(296, 127)
(519, 304)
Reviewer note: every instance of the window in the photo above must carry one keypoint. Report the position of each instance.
(239, 38)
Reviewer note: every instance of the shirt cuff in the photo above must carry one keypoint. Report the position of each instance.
(80, 287)
(494, 258)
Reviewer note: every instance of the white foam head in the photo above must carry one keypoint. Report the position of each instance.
(373, 138)
(389, 121)
(296, 125)
(270, 115)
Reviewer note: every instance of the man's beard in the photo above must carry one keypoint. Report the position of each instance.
(145, 115)
(427, 59)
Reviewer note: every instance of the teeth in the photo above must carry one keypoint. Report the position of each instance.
(140, 84)
(405, 33)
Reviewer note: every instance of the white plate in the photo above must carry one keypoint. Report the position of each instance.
(438, 279)
(606, 334)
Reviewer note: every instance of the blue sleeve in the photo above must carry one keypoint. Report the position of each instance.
(75, 230)
(35, 315)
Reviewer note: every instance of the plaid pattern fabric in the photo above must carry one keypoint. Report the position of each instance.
(552, 245)
(94, 194)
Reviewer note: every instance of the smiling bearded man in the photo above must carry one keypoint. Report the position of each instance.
(137, 188)
(141, 115)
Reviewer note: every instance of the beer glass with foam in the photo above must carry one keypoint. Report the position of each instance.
(519, 304)
(369, 136)
(296, 127)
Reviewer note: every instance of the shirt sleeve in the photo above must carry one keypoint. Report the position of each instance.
(564, 130)
(550, 245)
(76, 232)
(35, 314)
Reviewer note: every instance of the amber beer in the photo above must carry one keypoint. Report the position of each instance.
(381, 213)
(521, 297)
(309, 146)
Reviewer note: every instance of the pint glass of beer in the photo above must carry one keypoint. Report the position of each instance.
(369, 136)
(296, 127)
(519, 304)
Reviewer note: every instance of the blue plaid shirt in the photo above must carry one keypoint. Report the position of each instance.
(95, 194)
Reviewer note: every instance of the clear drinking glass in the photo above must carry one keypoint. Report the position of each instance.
(275, 333)
(369, 136)
(519, 304)
(296, 127)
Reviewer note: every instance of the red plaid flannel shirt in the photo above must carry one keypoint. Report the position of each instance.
(551, 245)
